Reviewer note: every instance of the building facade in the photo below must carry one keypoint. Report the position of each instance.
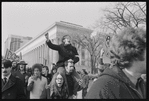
(14, 42)
(36, 50)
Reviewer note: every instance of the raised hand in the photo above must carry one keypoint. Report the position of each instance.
(47, 36)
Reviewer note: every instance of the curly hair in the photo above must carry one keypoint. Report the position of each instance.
(54, 88)
(37, 65)
(127, 46)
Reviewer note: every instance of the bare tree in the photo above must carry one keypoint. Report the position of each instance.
(92, 45)
(124, 14)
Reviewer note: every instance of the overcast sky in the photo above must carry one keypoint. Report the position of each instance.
(32, 18)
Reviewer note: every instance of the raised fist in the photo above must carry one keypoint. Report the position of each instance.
(47, 36)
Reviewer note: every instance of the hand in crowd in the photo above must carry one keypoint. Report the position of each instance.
(34, 77)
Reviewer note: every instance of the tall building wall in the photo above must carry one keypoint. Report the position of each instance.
(14, 42)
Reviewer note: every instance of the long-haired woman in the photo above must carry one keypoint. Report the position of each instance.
(58, 88)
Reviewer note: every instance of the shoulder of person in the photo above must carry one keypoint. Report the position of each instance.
(106, 81)
(73, 47)
(43, 77)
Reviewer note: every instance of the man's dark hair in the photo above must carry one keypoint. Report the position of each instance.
(7, 63)
(46, 67)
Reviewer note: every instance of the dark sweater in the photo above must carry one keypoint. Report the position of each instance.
(70, 84)
(65, 52)
(114, 84)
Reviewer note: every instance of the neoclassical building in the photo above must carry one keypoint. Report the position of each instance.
(36, 50)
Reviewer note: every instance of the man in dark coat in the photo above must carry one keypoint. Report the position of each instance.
(73, 85)
(122, 80)
(12, 87)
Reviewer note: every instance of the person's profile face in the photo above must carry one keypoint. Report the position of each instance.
(70, 67)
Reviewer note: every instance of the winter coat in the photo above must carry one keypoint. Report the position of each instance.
(73, 85)
(114, 84)
(85, 81)
(13, 89)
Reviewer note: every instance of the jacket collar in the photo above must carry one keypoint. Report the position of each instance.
(9, 84)
(118, 73)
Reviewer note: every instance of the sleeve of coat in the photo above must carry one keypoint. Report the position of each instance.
(20, 91)
(86, 81)
(77, 87)
(30, 84)
(53, 46)
(44, 94)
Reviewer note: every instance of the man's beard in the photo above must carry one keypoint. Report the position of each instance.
(14, 67)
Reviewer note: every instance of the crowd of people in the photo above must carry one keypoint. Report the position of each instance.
(123, 78)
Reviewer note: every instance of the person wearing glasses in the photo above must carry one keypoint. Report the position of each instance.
(11, 87)
(58, 88)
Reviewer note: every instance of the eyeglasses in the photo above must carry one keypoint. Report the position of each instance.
(59, 79)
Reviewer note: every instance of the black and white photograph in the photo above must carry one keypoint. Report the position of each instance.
(73, 50)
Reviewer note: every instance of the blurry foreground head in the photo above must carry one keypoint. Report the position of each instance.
(127, 47)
